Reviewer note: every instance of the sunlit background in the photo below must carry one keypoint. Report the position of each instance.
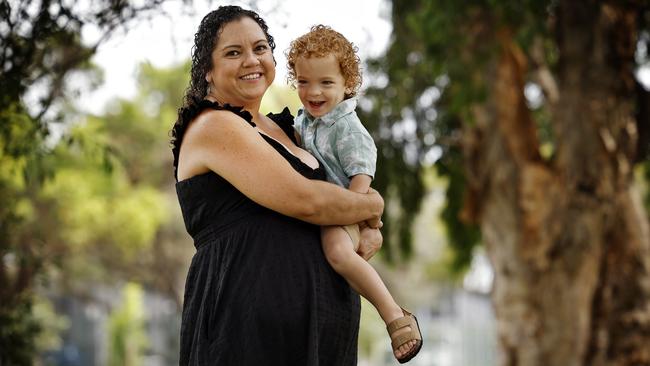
(117, 251)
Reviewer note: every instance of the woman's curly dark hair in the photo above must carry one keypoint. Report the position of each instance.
(205, 40)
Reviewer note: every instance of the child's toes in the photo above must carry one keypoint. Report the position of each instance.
(398, 353)
(402, 350)
(411, 345)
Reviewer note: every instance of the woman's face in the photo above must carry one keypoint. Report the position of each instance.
(242, 64)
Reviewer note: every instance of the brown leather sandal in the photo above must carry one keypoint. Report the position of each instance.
(408, 320)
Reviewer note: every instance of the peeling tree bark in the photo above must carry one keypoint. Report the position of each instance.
(568, 238)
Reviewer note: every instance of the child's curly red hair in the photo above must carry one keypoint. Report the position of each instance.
(321, 41)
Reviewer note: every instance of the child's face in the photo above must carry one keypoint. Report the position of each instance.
(321, 85)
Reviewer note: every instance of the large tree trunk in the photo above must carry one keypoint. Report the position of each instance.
(568, 237)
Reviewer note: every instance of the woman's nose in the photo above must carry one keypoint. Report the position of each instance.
(251, 59)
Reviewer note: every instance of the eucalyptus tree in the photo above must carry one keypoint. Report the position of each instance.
(532, 111)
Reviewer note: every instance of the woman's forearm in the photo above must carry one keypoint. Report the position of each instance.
(329, 204)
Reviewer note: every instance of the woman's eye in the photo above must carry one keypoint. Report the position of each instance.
(232, 53)
(261, 48)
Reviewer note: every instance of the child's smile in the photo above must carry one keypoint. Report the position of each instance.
(321, 85)
(315, 106)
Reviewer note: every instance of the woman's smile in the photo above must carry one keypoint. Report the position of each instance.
(253, 76)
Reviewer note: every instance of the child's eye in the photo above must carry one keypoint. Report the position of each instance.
(328, 82)
(302, 82)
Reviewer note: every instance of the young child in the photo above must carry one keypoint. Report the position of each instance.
(324, 67)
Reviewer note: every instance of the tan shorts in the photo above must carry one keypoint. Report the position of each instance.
(355, 235)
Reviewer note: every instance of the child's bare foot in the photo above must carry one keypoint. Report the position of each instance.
(405, 335)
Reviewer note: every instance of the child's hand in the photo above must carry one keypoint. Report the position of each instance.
(369, 242)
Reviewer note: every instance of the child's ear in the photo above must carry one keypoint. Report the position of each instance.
(348, 91)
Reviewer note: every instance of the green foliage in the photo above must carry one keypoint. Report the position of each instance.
(50, 189)
(95, 207)
(18, 333)
(28, 329)
(139, 128)
(463, 237)
(21, 170)
(432, 76)
(111, 185)
(434, 73)
(51, 324)
(643, 179)
(127, 336)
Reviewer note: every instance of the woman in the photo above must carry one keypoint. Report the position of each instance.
(259, 290)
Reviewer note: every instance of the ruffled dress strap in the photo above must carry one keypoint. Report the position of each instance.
(285, 120)
(189, 113)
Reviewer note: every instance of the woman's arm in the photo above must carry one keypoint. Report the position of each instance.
(222, 142)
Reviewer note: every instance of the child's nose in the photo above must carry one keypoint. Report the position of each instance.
(314, 90)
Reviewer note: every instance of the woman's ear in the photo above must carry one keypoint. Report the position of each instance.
(208, 77)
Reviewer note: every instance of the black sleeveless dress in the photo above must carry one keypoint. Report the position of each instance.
(259, 290)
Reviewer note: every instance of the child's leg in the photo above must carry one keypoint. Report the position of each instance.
(355, 235)
(340, 254)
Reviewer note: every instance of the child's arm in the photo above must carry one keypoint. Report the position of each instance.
(371, 239)
(297, 136)
(360, 183)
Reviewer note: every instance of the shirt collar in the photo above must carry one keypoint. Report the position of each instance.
(345, 107)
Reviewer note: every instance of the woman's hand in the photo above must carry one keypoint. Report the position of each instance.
(378, 201)
(370, 242)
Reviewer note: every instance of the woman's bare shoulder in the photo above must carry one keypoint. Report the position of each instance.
(207, 136)
(217, 118)
(212, 124)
